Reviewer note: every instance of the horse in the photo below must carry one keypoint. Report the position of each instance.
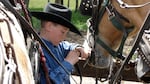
(15, 63)
(113, 23)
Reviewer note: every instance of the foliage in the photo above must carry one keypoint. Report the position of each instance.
(77, 19)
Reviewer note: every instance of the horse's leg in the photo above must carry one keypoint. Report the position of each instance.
(96, 80)
(111, 68)
(112, 72)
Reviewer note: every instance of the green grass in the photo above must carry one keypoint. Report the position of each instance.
(77, 19)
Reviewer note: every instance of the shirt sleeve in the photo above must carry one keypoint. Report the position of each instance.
(59, 75)
(69, 46)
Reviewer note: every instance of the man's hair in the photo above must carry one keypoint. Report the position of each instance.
(43, 22)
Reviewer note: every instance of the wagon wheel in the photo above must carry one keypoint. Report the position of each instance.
(145, 26)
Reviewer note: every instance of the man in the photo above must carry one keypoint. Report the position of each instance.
(55, 24)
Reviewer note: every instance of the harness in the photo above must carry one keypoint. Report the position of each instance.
(125, 5)
(144, 27)
(116, 18)
(8, 50)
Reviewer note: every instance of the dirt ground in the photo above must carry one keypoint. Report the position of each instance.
(91, 80)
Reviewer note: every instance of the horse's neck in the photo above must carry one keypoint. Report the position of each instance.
(135, 15)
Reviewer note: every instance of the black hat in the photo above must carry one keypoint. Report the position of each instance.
(58, 14)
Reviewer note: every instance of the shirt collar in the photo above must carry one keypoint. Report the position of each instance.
(48, 43)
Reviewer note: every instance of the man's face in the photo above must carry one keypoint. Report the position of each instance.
(59, 33)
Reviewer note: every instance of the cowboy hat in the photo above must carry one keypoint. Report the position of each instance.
(58, 14)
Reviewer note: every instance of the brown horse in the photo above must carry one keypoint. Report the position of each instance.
(14, 60)
(108, 38)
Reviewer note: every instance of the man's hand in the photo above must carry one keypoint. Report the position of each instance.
(73, 57)
(84, 53)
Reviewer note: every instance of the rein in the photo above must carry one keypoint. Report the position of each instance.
(116, 18)
(25, 11)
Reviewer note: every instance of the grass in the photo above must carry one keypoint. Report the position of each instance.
(77, 19)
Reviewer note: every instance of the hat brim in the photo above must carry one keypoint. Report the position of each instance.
(57, 19)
